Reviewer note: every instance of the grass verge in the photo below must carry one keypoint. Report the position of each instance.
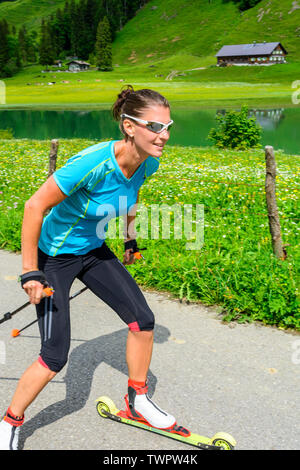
(235, 267)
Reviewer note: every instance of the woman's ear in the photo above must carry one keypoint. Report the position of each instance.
(128, 127)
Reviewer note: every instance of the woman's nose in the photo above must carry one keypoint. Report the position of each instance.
(165, 134)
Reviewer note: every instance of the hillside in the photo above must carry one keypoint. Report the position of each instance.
(196, 29)
(184, 32)
(28, 12)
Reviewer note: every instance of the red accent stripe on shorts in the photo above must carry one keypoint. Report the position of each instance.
(134, 326)
(40, 360)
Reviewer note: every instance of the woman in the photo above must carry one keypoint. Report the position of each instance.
(70, 243)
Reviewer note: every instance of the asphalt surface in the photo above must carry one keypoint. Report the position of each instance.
(240, 379)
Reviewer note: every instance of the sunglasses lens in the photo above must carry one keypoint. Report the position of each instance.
(155, 126)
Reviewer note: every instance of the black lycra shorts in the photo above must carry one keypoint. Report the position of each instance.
(102, 272)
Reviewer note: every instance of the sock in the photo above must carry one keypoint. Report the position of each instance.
(136, 385)
(12, 419)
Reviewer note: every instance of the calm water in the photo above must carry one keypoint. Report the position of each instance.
(281, 127)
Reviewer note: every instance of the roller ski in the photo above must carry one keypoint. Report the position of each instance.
(141, 412)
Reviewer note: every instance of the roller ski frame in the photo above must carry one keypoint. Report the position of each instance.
(220, 441)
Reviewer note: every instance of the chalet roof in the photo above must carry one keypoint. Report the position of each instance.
(79, 62)
(255, 48)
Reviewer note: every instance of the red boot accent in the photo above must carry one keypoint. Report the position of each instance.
(140, 387)
(179, 430)
(12, 419)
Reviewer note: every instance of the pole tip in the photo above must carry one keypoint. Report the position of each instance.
(15, 333)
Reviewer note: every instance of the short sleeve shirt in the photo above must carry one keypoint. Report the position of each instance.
(97, 191)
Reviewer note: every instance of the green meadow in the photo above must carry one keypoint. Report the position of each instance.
(235, 268)
(169, 36)
(93, 89)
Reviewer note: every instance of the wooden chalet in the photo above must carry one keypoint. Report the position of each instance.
(256, 53)
(77, 65)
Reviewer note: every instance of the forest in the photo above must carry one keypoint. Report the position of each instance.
(83, 29)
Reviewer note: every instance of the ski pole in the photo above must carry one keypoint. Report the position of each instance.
(17, 332)
(48, 291)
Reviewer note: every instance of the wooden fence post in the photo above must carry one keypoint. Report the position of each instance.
(270, 186)
(53, 156)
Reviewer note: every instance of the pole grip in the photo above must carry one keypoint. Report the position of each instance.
(48, 291)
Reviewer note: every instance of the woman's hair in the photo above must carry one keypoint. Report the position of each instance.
(134, 103)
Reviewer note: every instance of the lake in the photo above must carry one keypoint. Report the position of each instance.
(191, 126)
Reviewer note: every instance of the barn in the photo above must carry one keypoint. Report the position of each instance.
(256, 53)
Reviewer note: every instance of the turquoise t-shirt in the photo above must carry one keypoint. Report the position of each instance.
(97, 191)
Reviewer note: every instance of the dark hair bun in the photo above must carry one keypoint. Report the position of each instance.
(122, 96)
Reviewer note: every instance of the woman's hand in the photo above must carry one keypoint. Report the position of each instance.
(128, 257)
(34, 290)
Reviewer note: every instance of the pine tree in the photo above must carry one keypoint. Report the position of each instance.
(58, 32)
(4, 47)
(22, 44)
(67, 25)
(31, 47)
(73, 28)
(81, 32)
(90, 23)
(103, 46)
(46, 48)
(9, 51)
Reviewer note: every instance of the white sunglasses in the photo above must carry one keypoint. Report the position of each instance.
(153, 126)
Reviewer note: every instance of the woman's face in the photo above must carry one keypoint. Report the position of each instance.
(147, 141)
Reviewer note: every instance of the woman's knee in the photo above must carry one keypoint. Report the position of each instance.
(145, 322)
(54, 365)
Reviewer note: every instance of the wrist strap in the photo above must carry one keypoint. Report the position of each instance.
(33, 276)
(131, 244)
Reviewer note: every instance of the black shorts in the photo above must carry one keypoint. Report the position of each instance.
(102, 272)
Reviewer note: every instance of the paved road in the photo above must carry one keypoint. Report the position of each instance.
(242, 379)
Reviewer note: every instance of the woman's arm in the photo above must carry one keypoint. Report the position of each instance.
(129, 233)
(47, 196)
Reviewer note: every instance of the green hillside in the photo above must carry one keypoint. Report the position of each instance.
(188, 33)
(196, 29)
(28, 12)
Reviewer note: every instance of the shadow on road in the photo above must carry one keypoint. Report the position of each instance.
(83, 361)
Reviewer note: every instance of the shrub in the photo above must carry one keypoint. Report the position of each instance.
(6, 134)
(236, 130)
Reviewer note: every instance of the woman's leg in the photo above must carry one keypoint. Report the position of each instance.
(138, 354)
(54, 325)
(105, 275)
(109, 279)
(32, 382)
